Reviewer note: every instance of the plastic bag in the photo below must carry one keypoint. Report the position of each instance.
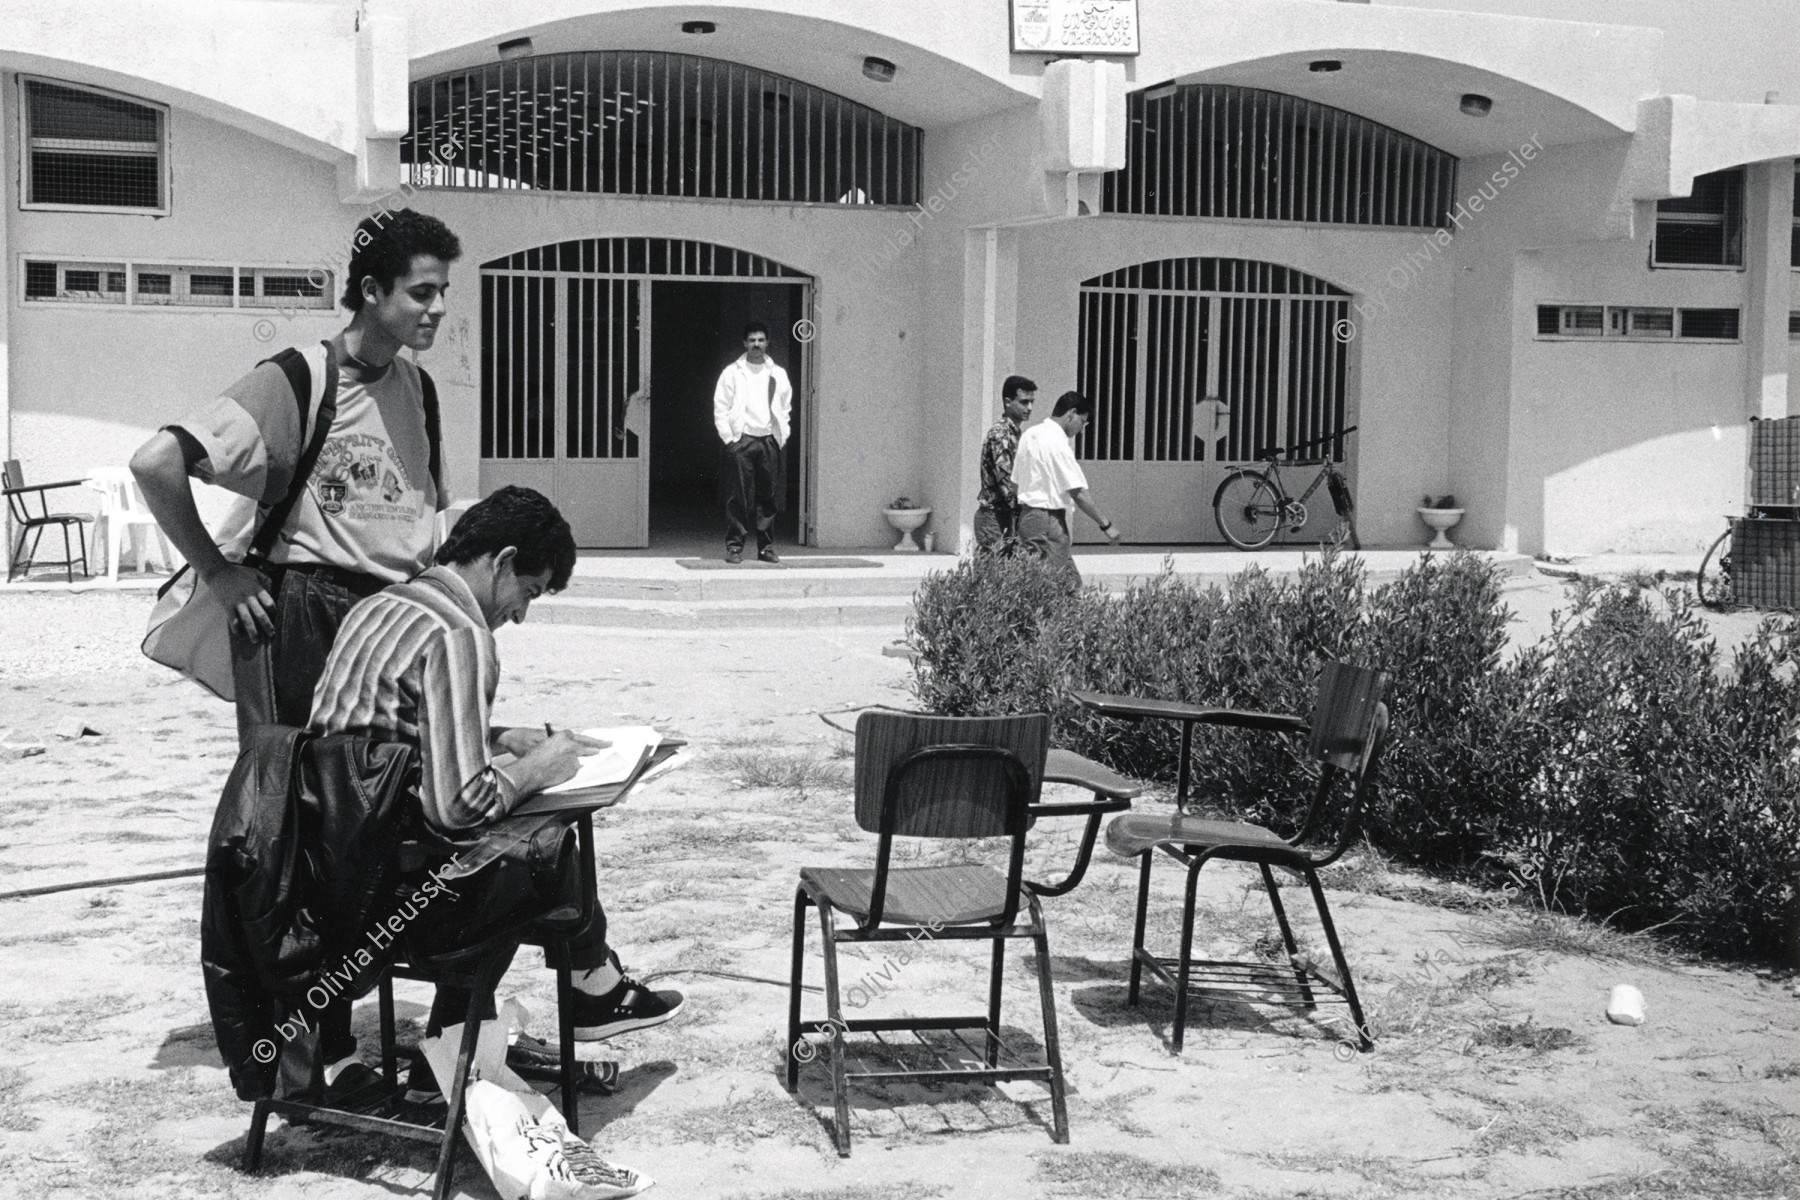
(521, 1139)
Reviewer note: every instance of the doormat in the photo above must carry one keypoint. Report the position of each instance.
(797, 562)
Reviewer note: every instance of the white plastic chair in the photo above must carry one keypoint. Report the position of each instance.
(123, 511)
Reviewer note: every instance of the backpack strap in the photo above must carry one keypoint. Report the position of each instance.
(433, 431)
(293, 364)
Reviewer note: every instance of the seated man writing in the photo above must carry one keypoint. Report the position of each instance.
(416, 663)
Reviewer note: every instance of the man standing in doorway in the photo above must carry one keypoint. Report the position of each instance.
(1050, 483)
(367, 516)
(997, 515)
(751, 405)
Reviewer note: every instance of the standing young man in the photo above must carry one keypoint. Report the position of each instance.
(1051, 483)
(751, 406)
(997, 515)
(367, 516)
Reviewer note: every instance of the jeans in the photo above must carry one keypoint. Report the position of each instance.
(993, 530)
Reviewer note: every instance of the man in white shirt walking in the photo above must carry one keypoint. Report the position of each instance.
(751, 406)
(1050, 483)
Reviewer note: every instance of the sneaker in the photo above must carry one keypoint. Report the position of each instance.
(767, 554)
(535, 1058)
(733, 555)
(356, 1085)
(421, 1085)
(628, 1006)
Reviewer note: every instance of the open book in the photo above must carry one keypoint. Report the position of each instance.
(606, 775)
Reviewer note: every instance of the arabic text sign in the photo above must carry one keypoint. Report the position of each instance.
(1075, 26)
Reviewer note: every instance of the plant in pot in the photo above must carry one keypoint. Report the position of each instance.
(1441, 514)
(906, 516)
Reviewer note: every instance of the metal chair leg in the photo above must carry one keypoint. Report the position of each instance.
(995, 984)
(791, 1063)
(1363, 1040)
(253, 1141)
(834, 1017)
(480, 995)
(1179, 1032)
(390, 1068)
(1287, 934)
(565, 1042)
(1059, 1109)
(1137, 929)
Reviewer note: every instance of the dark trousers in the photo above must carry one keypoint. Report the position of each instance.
(753, 484)
(995, 529)
(495, 899)
(1044, 533)
(275, 677)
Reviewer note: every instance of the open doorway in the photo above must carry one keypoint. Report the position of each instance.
(698, 329)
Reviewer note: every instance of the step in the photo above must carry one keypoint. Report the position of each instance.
(748, 613)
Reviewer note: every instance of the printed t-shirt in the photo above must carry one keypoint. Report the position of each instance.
(370, 504)
(1044, 469)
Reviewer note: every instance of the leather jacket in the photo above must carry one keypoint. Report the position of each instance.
(302, 848)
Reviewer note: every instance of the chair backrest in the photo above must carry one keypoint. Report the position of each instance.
(952, 795)
(15, 478)
(120, 494)
(1349, 727)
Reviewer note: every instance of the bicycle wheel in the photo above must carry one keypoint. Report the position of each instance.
(1714, 583)
(1248, 510)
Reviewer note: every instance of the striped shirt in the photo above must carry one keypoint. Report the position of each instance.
(416, 663)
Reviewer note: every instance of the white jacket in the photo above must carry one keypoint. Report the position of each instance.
(739, 388)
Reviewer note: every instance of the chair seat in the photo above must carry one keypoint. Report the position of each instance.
(952, 895)
(1134, 833)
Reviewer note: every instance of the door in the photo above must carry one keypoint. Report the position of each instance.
(602, 472)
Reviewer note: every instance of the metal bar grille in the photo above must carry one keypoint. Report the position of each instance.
(646, 123)
(1214, 150)
(1257, 337)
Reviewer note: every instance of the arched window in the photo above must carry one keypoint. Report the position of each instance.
(630, 122)
(1208, 150)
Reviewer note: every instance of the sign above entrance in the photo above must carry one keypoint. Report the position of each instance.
(1075, 26)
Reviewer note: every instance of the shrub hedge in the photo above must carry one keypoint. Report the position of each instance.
(1617, 768)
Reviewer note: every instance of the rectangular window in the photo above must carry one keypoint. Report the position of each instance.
(92, 149)
(178, 286)
(1640, 322)
(1705, 229)
(74, 283)
(1628, 323)
(1794, 238)
(1720, 324)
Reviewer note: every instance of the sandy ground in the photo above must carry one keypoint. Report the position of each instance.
(1496, 1074)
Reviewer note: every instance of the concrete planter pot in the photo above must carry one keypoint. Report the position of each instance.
(905, 521)
(1442, 520)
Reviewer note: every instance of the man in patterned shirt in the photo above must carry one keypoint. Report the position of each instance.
(416, 663)
(996, 517)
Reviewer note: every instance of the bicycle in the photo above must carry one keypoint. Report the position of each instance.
(1713, 584)
(1251, 506)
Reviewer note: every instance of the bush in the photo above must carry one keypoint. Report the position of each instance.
(1614, 769)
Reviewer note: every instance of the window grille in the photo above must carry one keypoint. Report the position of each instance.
(1210, 359)
(1794, 238)
(1713, 323)
(1705, 229)
(645, 123)
(1211, 150)
(1794, 325)
(91, 149)
(178, 286)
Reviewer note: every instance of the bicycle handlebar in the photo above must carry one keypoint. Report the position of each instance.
(1330, 437)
